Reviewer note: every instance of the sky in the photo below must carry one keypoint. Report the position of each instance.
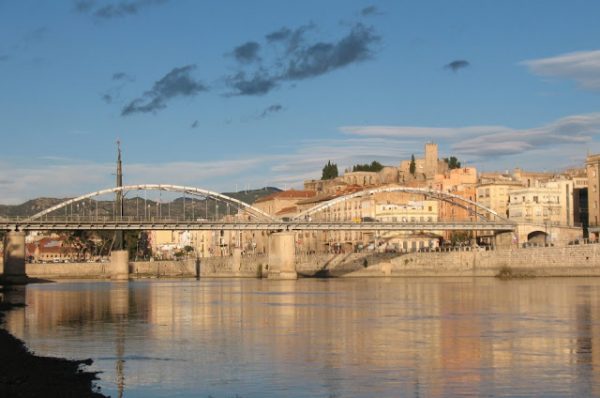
(227, 95)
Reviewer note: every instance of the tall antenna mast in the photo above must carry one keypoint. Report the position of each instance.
(120, 209)
(119, 199)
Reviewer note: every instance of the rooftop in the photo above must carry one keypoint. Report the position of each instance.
(289, 194)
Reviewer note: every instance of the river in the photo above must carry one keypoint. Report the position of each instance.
(243, 338)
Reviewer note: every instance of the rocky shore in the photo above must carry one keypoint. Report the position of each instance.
(24, 374)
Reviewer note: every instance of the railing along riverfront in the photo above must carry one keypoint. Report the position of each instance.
(77, 222)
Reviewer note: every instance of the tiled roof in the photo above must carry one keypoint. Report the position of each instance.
(287, 210)
(289, 194)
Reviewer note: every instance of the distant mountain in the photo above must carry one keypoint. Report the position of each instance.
(252, 195)
(198, 208)
(28, 208)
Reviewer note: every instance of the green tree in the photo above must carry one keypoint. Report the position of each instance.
(413, 165)
(453, 162)
(374, 166)
(459, 237)
(330, 171)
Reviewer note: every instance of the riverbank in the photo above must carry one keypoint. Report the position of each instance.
(573, 260)
(24, 374)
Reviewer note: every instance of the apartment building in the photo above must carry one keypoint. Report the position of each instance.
(538, 205)
(496, 195)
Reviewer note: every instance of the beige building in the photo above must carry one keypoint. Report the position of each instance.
(496, 195)
(592, 165)
(553, 202)
(410, 212)
(165, 244)
(537, 205)
(274, 203)
(455, 180)
(533, 178)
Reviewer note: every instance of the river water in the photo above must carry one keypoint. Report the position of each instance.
(226, 338)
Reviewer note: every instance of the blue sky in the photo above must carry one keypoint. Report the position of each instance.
(226, 94)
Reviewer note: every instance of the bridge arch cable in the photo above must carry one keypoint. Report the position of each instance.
(471, 206)
(200, 192)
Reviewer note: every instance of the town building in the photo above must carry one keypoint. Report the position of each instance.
(50, 250)
(495, 195)
(272, 204)
(536, 205)
(592, 166)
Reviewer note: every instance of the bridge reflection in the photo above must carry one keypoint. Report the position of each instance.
(360, 337)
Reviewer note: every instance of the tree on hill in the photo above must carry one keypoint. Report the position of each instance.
(374, 166)
(330, 171)
(412, 168)
(452, 162)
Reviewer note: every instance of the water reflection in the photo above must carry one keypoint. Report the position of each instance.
(331, 338)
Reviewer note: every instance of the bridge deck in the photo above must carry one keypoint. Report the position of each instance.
(44, 225)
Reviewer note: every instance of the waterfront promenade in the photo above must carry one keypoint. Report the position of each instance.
(570, 260)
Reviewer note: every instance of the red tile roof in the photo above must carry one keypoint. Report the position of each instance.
(287, 210)
(289, 194)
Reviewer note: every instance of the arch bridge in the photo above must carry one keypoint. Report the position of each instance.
(87, 212)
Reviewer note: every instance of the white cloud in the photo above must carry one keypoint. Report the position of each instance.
(485, 141)
(581, 66)
(563, 142)
(415, 132)
(578, 129)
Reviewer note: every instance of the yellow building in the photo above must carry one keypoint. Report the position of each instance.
(272, 204)
(165, 244)
(537, 205)
(410, 212)
(592, 165)
(496, 195)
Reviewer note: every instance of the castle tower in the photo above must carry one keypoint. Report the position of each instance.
(431, 159)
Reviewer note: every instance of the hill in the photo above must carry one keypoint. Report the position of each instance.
(200, 208)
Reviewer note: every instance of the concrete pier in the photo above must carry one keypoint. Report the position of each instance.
(503, 240)
(119, 265)
(282, 256)
(236, 266)
(14, 256)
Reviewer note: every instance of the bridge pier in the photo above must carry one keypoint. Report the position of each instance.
(503, 240)
(119, 265)
(282, 256)
(14, 256)
(237, 260)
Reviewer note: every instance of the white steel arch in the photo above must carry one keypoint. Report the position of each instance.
(432, 193)
(159, 187)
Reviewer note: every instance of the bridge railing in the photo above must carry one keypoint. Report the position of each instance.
(124, 219)
(247, 219)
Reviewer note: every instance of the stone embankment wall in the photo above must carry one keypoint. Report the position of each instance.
(68, 270)
(250, 267)
(334, 265)
(578, 260)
